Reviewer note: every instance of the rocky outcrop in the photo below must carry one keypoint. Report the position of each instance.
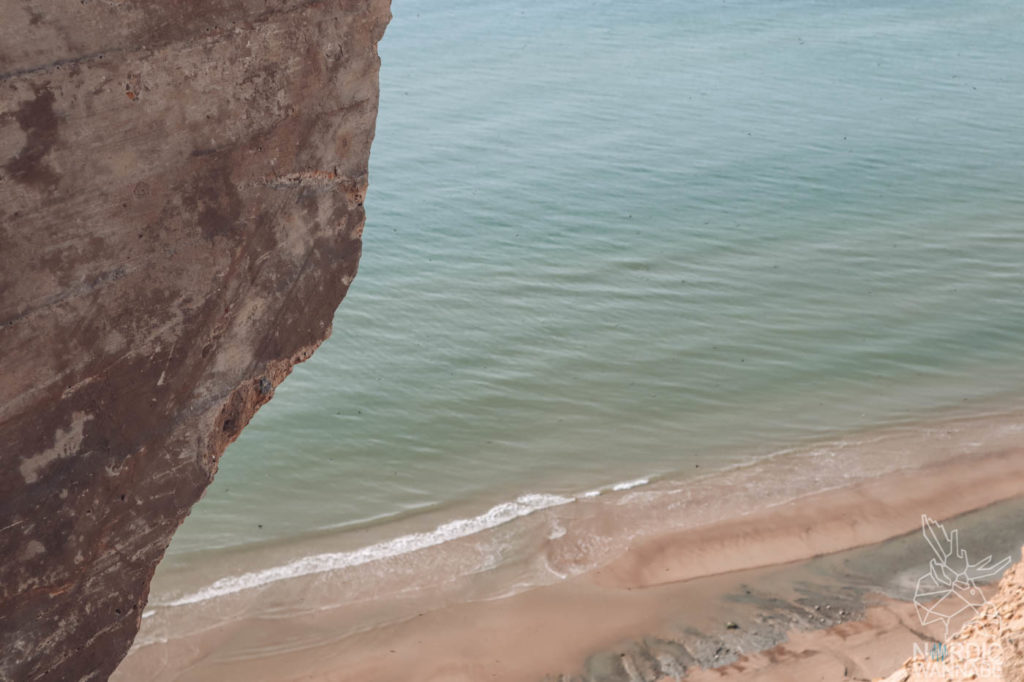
(988, 647)
(181, 205)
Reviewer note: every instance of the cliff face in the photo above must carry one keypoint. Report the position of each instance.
(181, 204)
(990, 646)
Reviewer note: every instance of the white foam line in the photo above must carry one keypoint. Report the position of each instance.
(332, 561)
(631, 484)
(617, 487)
(322, 563)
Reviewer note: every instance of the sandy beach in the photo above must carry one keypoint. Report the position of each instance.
(753, 597)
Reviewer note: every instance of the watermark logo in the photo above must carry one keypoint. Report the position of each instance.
(958, 661)
(949, 590)
(949, 593)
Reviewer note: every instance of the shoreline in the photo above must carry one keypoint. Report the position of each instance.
(796, 621)
(866, 513)
(640, 591)
(651, 505)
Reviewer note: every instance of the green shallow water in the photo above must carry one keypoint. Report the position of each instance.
(608, 241)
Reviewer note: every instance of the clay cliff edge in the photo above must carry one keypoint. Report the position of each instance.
(181, 207)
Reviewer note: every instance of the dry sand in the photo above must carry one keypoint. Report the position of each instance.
(664, 606)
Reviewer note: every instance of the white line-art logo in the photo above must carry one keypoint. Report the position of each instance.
(950, 587)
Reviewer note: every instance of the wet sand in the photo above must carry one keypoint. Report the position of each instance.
(791, 623)
(867, 513)
(664, 607)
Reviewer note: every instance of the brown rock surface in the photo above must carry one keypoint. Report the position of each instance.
(181, 188)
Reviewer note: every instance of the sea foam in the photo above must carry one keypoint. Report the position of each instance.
(332, 561)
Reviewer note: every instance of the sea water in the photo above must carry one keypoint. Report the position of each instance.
(610, 243)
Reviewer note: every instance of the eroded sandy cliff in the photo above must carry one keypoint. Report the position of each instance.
(181, 205)
(989, 647)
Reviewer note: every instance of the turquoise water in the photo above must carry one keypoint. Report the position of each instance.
(609, 241)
